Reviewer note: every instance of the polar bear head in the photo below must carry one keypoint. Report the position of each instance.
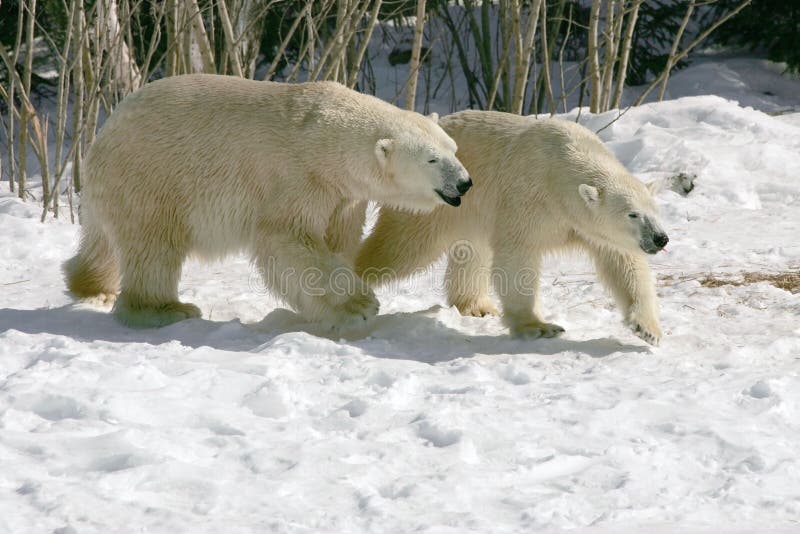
(622, 214)
(420, 168)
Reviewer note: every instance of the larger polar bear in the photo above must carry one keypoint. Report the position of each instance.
(540, 186)
(208, 165)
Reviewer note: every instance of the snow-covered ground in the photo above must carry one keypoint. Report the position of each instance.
(751, 81)
(244, 422)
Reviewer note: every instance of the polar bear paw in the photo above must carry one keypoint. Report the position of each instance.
(156, 316)
(364, 306)
(652, 337)
(349, 317)
(477, 308)
(103, 300)
(534, 330)
(647, 330)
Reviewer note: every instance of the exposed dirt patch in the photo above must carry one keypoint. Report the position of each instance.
(788, 281)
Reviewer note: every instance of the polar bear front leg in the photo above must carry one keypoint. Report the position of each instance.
(516, 279)
(627, 275)
(316, 282)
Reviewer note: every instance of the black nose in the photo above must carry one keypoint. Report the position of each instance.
(463, 187)
(660, 240)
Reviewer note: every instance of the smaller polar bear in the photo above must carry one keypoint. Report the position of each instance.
(209, 165)
(541, 186)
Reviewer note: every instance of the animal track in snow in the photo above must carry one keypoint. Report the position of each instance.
(117, 462)
(57, 407)
(355, 408)
(267, 402)
(381, 379)
(759, 390)
(392, 491)
(510, 374)
(437, 436)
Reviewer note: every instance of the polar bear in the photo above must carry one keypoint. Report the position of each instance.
(209, 165)
(541, 186)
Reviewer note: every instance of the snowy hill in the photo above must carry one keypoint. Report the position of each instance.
(244, 422)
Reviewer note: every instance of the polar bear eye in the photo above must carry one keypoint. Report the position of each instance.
(633, 215)
(434, 160)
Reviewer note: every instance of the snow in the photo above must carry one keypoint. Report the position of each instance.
(245, 421)
(752, 81)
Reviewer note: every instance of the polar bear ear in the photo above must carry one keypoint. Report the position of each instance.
(434, 117)
(589, 194)
(382, 150)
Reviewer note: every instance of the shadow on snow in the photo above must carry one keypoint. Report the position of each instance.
(418, 336)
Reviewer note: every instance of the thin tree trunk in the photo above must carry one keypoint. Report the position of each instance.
(564, 41)
(614, 37)
(594, 58)
(348, 51)
(125, 74)
(345, 15)
(332, 48)
(12, 158)
(548, 87)
(285, 43)
(472, 81)
(201, 36)
(246, 21)
(675, 44)
(79, 83)
(62, 99)
(173, 39)
(310, 51)
(332, 72)
(416, 47)
(513, 33)
(625, 53)
(362, 49)
(26, 88)
(93, 72)
(481, 34)
(230, 39)
(523, 58)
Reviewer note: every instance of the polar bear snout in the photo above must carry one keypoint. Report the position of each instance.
(652, 237)
(653, 241)
(452, 197)
(456, 182)
(463, 187)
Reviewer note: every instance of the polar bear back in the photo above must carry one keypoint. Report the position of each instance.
(320, 125)
(210, 157)
(552, 156)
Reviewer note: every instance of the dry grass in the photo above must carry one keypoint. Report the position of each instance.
(788, 281)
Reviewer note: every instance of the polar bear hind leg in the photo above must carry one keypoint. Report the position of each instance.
(517, 268)
(468, 277)
(343, 235)
(305, 274)
(400, 244)
(93, 272)
(149, 296)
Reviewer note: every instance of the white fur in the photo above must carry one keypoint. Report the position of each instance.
(210, 165)
(541, 186)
